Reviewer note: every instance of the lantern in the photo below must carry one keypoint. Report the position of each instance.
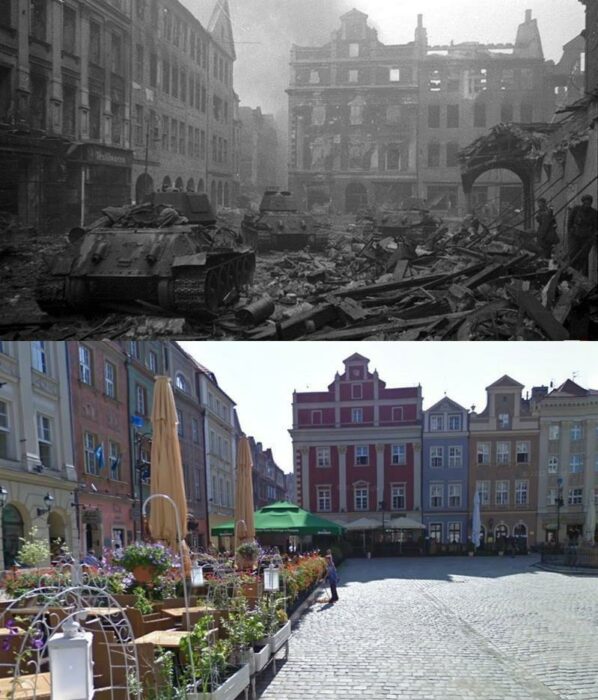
(197, 575)
(271, 578)
(71, 665)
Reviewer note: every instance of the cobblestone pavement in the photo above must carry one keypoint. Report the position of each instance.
(483, 628)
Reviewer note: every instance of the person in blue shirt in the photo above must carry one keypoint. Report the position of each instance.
(332, 578)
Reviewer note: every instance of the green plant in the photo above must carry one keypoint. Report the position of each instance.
(249, 549)
(154, 555)
(272, 610)
(210, 656)
(33, 551)
(141, 601)
(244, 627)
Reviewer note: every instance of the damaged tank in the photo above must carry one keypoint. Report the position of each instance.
(280, 225)
(166, 253)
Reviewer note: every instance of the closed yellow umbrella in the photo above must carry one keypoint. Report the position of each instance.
(244, 525)
(167, 470)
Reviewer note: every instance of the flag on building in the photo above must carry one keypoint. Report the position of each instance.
(99, 453)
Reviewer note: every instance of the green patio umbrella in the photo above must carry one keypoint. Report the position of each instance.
(287, 518)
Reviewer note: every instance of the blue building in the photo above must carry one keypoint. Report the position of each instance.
(445, 465)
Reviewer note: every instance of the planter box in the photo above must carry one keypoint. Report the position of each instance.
(229, 690)
(261, 658)
(282, 636)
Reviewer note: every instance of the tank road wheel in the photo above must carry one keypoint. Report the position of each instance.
(212, 290)
(50, 294)
(188, 293)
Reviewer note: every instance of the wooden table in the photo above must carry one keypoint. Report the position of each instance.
(104, 612)
(179, 613)
(163, 638)
(25, 687)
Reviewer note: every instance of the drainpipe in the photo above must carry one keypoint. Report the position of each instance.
(131, 445)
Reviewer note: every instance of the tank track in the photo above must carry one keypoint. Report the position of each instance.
(197, 291)
(50, 294)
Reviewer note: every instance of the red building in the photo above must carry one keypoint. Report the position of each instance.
(98, 387)
(357, 446)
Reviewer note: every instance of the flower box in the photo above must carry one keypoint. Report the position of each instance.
(230, 689)
(261, 656)
(280, 637)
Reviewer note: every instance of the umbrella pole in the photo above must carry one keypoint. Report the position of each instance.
(184, 575)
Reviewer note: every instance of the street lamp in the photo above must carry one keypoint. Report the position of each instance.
(3, 496)
(48, 500)
(559, 505)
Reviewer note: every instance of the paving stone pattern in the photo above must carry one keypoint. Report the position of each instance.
(458, 628)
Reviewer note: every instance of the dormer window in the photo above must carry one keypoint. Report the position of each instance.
(504, 420)
(353, 50)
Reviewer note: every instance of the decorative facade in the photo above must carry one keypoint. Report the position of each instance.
(357, 446)
(268, 478)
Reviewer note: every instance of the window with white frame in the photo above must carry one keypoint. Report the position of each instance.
(397, 413)
(455, 456)
(361, 498)
(576, 464)
(398, 497)
(44, 439)
(362, 455)
(140, 400)
(436, 495)
(394, 75)
(195, 430)
(4, 430)
(435, 531)
(504, 420)
(134, 349)
(324, 499)
(323, 456)
(454, 495)
(454, 421)
(521, 492)
(551, 497)
(353, 76)
(114, 455)
(181, 383)
(316, 417)
(436, 456)
(89, 454)
(454, 532)
(357, 415)
(356, 391)
(553, 432)
(503, 453)
(109, 380)
(523, 452)
(398, 454)
(553, 464)
(212, 441)
(84, 365)
(483, 452)
(152, 361)
(576, 432)
(179, 427)
(39, 359)
(502, 493)
(483, 488)
(575, 497)
(353, 50)
(437, 422)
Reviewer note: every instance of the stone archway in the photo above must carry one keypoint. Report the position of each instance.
(166, 184)
(200, 185)
(13, 529)
(179, 185)
(356, 197)
(143, 187)
(190, 185)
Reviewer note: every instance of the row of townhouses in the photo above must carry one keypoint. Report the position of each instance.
(102, 101)
(363, 449)
(75, 442)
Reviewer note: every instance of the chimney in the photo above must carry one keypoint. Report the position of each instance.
(420, 21)
(528, 15)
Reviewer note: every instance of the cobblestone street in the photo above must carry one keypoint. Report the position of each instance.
(447, 628)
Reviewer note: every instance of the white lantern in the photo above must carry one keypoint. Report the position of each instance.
(197, 575)
(71, 665)
(271, 578)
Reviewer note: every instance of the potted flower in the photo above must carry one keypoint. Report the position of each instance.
(247, 554)
(33, 551)
(145, 560)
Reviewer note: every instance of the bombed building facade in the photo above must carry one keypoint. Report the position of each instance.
(374, 124)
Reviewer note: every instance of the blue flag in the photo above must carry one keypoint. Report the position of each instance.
(100, 456)
(114, 465)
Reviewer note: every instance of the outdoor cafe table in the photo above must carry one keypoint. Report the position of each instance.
(25, 687)
(163, 638)
(179, 613)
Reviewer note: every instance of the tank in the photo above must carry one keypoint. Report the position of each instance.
(280, 225)
(164, 253)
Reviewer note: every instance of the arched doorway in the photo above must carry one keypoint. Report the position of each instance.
(166, 184)
(520, 535)
(12, 530)
(143, 187)
(179, 185)
(200, 185)
(57, 533)
(356, 197)
(190, 185)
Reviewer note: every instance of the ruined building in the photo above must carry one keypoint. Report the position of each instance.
(372, 124)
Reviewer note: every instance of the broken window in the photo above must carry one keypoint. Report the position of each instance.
(69, 23)
(117, 116)
(356, 114)
(434, 116)
(434, 81)
(452, 116)
(353, 50)
(139, 125)
(5, 14)
(318, 115)
(393, 157)
(393, 114)
(452, 149)
(527, 79)
(174, 135)
(39, 86)
(69, 110)
(353, 76)
(479, 114)
(433, 154)
(153, 77)
(314, 77)
(165, 128)
(395, 75)
(39, 19)
(506, 112)
(166, 76)
(95, 116)
(117, 54)
(453, 83)
(507, 79)
(527, 112)
(95, 45)
(138, 75)
(477, 81)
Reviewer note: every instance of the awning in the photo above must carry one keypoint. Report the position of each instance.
(287, 518)
(364, 524)
(405, 524)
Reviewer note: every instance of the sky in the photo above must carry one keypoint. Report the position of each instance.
(261, 377)
(265, 29)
